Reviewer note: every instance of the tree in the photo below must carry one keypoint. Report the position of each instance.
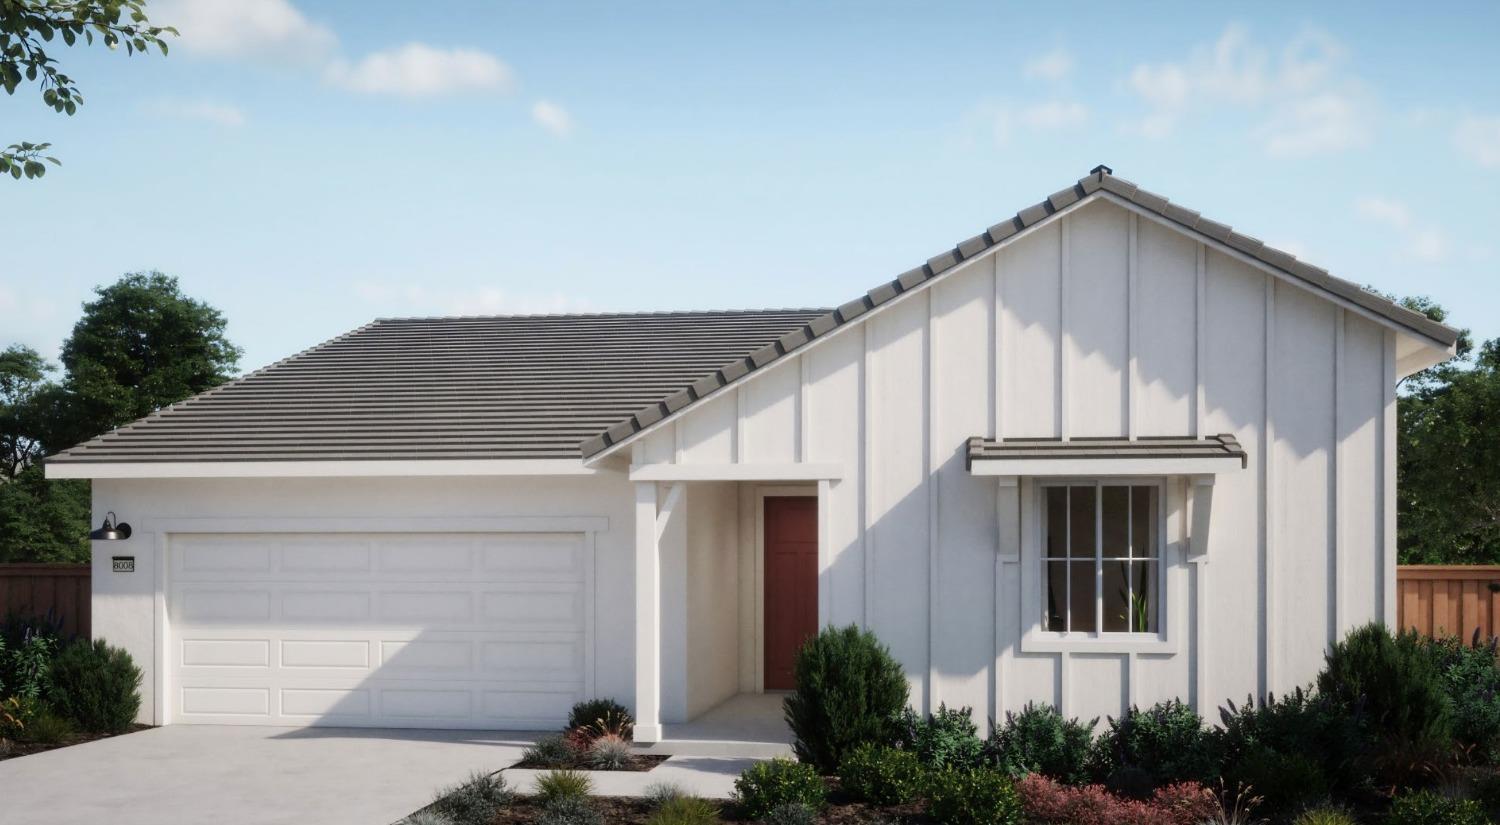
(25, 25)
(1448, 463)
(44, 520)
(23, 376)
(141, 345)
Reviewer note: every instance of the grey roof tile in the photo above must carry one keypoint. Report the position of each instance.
(913, 277)
(1032, 214)
(973, 246)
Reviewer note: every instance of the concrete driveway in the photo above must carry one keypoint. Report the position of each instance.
(242, 775)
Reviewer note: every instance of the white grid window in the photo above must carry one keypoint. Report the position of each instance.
(1101, 544)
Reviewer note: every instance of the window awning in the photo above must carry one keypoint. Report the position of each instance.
(1105, 456)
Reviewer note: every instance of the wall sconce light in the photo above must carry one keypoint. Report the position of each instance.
(110, 531)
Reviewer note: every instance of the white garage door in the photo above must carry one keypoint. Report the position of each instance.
(401, 630)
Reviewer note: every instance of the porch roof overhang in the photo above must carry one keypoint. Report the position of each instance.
(774, 471)
(1175, 456)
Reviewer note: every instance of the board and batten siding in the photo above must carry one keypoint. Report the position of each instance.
(1102, 322)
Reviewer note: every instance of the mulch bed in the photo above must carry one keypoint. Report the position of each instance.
(638, 762)
(622, 811)
(17, 749)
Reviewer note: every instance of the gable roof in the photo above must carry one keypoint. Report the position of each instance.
(517, 387)
(1101, 179)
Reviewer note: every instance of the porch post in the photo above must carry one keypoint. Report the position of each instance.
(647, 616)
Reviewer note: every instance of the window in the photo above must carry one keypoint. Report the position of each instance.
(1101, 557)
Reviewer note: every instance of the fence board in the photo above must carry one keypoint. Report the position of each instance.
(1448, 600)
(66, 590)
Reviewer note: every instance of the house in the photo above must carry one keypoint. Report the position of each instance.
(1106, 452)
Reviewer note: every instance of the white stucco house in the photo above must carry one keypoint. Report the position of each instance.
(1106, 452)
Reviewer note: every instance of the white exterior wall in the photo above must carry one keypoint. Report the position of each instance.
(1102, 323)
(126, 604)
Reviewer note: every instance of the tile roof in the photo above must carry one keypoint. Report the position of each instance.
(1100, 179)
(1214, 446)
(447, 388)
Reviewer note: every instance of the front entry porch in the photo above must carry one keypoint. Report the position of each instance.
(729, 581)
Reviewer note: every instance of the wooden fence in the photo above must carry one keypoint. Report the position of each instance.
(63, 589)
(1448, 600)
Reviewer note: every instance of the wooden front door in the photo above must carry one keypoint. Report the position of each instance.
(791, 609)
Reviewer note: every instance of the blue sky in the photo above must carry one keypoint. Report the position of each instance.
(307, 166)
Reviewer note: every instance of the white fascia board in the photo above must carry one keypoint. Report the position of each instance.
(790, 471)
(1102, 467)
(321, 469)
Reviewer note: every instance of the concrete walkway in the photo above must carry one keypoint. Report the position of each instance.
(243, 775)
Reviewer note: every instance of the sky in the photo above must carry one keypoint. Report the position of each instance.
(308, 166)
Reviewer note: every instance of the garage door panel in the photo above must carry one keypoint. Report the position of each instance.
(404, 638)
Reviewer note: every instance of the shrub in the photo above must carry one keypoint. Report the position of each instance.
(426, 818)
(25, 664)
(47, 728)
(973, 796)
(1428, 808)
(765, 785)
(1163, 744)
(563, 784)
(569, 810)
(1484, 788)
(1396, 685)
(1322, 741)
(609, 753)
(1471, 678)
(660, 793)
(1048, 802)
(849, 691)
(790, 813)
(16, 715)
(946, 739)
(550, 752)
(601, 717)
(882, 775)
(685, 810)
(1040, 740)
(96, 686)
(474, 801)
(1325, 815)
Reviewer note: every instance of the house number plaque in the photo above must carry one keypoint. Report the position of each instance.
(123, 564)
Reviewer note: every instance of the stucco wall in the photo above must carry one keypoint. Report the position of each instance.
(124, 603)
(1102, 323)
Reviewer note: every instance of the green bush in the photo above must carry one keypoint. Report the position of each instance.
(25, 664)
(1325, 815)
(569, 810)
(426, 818)
(849, 691)
(946, 739)
(550, 752)
(790, 813)
(1428, 808)
(474, 801)
(765, 785)
(660, 793)
(1471, 677)
(973, 796)
(685, 810)
(1040, 740)
(1312, 729)
(882, 775)
(564, 784)
(48, 728)
(1145, 749)
(1396, 685)
(601, 717)
(95, 686)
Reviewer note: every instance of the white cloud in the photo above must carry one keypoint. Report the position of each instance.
(552, 117)
(244, 28)
(221, 114)
(415, 299)
(1053, 115)
(1479, 138)
(420, 70)
(1053, 66)
(1417, 239)
(1326, 123)
(1306, 101)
